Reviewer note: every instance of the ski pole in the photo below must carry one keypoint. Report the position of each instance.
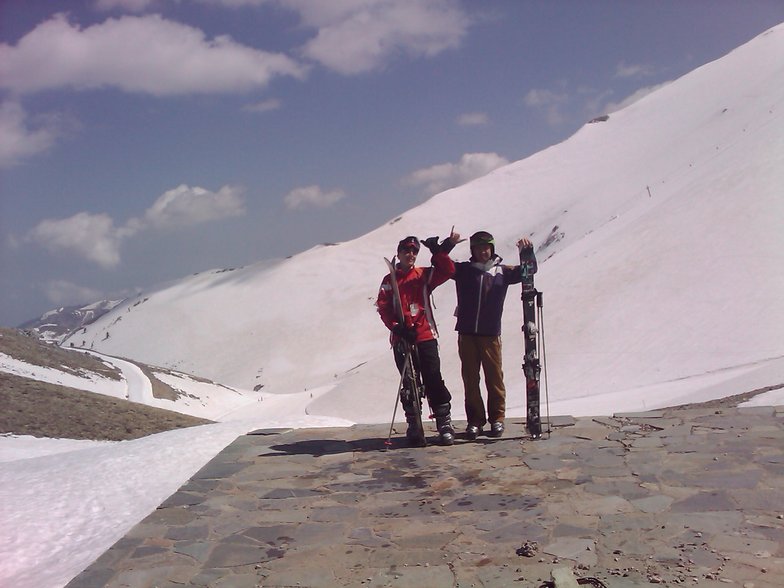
(540, 317)
(420, 392)
(388, 442)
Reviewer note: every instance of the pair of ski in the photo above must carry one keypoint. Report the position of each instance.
(410, 391)
(532, 317)
(411, 388)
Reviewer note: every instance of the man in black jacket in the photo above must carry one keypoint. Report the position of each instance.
(481, 285)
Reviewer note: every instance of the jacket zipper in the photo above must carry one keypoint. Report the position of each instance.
(479, 302)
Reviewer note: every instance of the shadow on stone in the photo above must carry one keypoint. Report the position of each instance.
(320, 447)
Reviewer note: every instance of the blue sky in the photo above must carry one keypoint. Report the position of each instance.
(145, 140)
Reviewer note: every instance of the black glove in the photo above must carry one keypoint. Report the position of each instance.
(408, 334)
(432, 244)
(447, 245)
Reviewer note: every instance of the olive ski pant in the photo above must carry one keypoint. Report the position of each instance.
(482, 351)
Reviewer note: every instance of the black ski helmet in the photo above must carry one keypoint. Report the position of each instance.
(483, 238)
(410, 241)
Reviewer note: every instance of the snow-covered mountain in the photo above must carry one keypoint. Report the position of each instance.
(54, 326)
(659, 232)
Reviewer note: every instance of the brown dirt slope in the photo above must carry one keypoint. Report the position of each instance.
(30, 350)
(30, 407)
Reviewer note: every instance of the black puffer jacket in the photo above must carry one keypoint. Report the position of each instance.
(481, 290)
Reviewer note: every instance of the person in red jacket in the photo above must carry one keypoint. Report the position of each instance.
(418, 327)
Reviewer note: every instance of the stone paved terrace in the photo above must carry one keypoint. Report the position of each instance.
(678, 497)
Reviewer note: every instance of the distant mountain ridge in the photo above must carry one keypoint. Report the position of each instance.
(54, 326)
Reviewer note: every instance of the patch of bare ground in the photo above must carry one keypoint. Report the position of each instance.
(729, 401)
(40, 409)
(161, 389)
(29, 349)
(31, 407)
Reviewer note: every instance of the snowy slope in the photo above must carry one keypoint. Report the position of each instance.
(659, 232)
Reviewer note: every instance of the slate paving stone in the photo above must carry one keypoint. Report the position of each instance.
(567, 530)
(605, 505)
(92, 577)
(544, 462)
(741, 544)
(627, 489)
(184, 499)
(494, 502)
(368, 537)
(704, 501)
(646, 443)
(681, 496)
(229, 555)
(148, 550)
(187, 533)
(708, 523)
(217, 469)
(198, 550)
(652, 504)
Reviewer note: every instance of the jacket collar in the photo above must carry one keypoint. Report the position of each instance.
(485, 267)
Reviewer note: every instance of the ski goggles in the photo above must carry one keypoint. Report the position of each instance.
(409, 244)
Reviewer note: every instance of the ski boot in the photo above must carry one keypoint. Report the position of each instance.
(415, 433)
(446, 433)
(496, 429)
(472, 432)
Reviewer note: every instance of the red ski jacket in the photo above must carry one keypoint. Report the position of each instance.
(415, 288)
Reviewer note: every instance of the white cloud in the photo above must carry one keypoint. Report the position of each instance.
(625, 70)
(17, 139)
(312, 197)
(91, 236)
(64, 293)
(639, 94)
(351, 36)
(538, 98)
(263, 106)
(595, 102)
(548, 102)
(185, 205)
(473, 119)
(129, 5)
(236, 3)
(146, 54)
(441, 177)
(96, 238)
(360, 36)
